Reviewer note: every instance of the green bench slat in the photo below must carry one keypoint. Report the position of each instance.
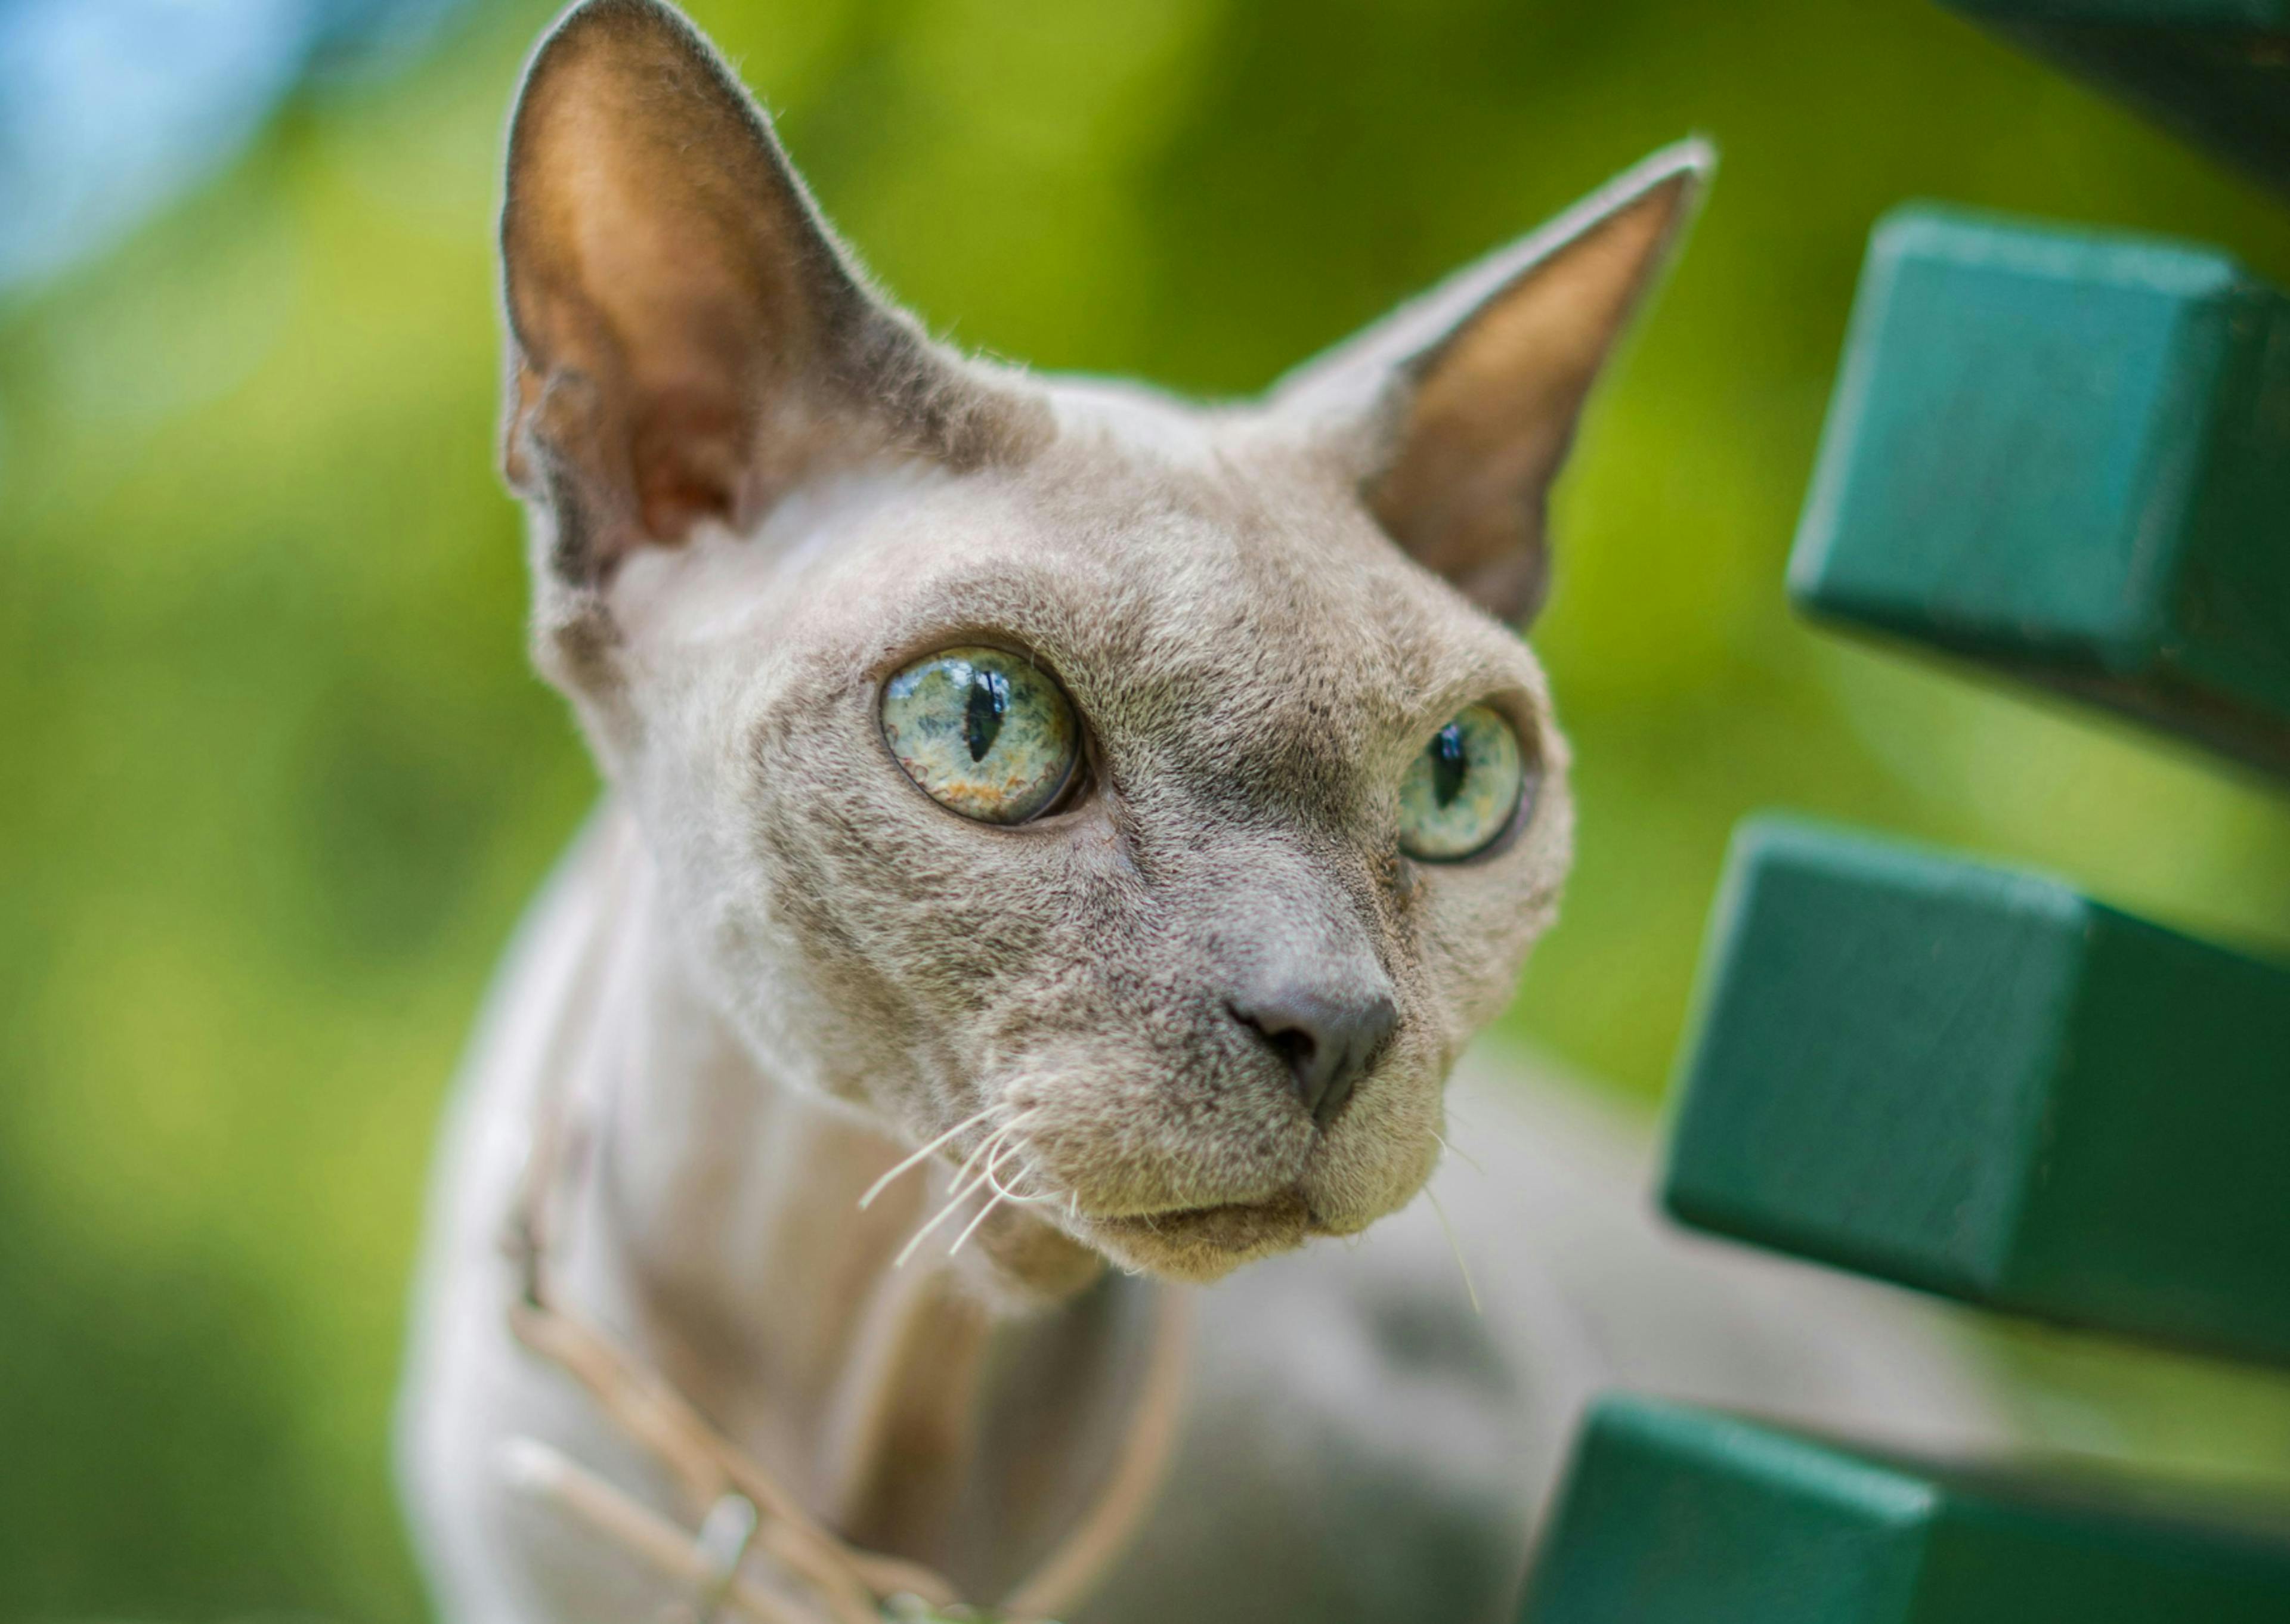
(2067, 456)
(2215, 71)
(1672, 1515)
(1980, 1082)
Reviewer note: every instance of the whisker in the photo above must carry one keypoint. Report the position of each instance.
(1005, 1146)
(991, 1147)
(963, 1192)
(983, 1154)
(984, 1212)
(947, 1209)
(924, 1234)
(1014, 1149)
(1456, 1246)
(991, 1174)
(920, 1156)
(986, 1158)
(1464, 1156)
(1003, 1192)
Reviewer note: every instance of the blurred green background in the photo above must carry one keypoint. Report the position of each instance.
(277, 779)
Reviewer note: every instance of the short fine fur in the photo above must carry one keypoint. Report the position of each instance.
(756, 490)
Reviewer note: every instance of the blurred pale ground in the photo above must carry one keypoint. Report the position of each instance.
(276, 779)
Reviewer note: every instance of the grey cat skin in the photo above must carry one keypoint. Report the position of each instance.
(1200, 1014)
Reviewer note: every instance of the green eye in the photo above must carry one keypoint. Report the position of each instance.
(983, 731)
(1461, 792)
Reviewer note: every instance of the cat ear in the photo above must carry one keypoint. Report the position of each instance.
(1455, 412)
(688, 339)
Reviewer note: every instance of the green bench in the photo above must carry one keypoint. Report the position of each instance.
(1981, 1083)
(2217, 71)
(2064, 458)
(2061, 454)
(1674, 1513)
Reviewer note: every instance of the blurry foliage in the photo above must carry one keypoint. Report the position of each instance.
(277, 779)
(108, 107)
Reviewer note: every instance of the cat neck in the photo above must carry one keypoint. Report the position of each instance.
(714, 1222)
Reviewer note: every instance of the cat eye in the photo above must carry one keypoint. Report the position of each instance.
(1463, 790)
(984, 731)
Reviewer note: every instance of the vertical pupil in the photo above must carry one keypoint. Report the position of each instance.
(1450, 764)
(981, 713)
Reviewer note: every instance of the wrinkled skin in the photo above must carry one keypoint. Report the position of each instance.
(756, 492)
(1253, 702)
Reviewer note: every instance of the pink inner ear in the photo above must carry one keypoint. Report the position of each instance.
(1495, 408)
(687, 450)
(696, 289)
(665, 281)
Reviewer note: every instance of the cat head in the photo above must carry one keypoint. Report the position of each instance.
(1149, 799)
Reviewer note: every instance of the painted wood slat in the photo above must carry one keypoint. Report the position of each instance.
(2067, 456)
(2216, 72)
(1981, 1083)
(1673, 1514)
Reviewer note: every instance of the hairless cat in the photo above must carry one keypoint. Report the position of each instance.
(943, 1134)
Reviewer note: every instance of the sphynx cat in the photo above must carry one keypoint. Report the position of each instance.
(1137, 804)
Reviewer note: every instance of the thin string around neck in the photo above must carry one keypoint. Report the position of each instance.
(816, 1577)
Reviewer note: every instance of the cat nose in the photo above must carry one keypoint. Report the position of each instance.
(1328, 1039)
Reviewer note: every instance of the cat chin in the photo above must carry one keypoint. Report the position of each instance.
(1201, 1245)
(1023, 1262)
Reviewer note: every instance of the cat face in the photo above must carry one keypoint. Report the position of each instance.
(1141, 797)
